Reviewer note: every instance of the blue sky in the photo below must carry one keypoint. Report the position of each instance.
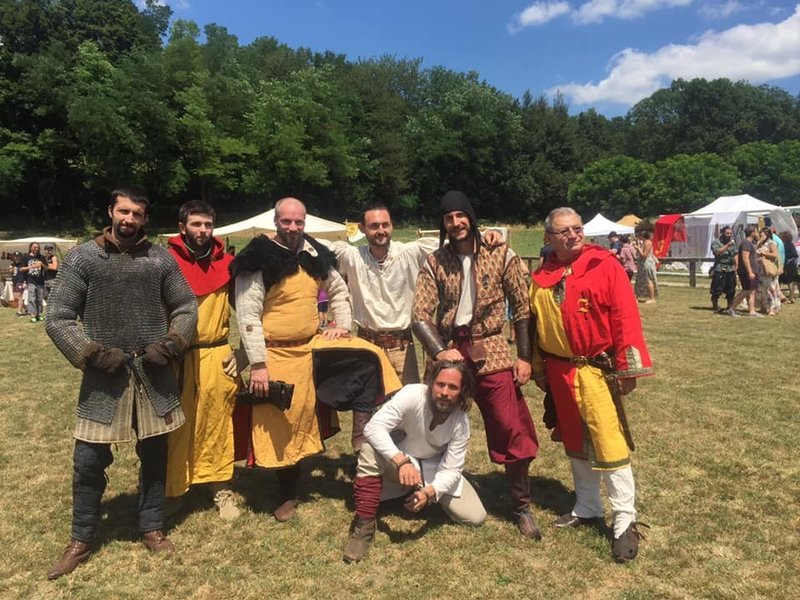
(606, 54)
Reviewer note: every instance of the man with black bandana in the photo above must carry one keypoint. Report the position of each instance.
(277, 284)
(202, 451)
(459, 311)
(121, 311)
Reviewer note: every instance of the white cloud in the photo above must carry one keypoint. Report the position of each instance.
(539, 13)
(756, 53)
(721, 10)
(595, 11)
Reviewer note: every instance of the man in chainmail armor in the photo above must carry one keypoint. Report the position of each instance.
(122, 312)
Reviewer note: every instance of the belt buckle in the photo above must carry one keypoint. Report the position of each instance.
(579, 361)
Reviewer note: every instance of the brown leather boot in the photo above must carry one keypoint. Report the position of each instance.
(287, 479)
(361, 536)
(520, 487)
(156, 541)
(75, 553)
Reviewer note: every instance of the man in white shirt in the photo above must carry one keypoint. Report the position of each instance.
(381, 277)
(428, 461)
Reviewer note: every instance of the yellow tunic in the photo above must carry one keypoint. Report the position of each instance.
(202, 450)
(281, 439)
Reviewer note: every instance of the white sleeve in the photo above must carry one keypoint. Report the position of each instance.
(249, 308)
(451, 466)
(387, 419)
(339, 300)
(423, 247)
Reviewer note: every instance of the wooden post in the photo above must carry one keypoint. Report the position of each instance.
(693, 273)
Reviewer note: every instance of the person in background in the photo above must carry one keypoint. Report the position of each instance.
(646, 279)
(790, 276)
(33, 267)
(749, 269)
(50, 269)
(769, 289)
(614, 243)
(18, 282)
(723, 274)
(627, 256)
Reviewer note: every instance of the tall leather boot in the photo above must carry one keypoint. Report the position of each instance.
(520, 487)
(288, 479)
(360, 420)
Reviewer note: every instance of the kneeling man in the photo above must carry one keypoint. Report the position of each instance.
(430, 421)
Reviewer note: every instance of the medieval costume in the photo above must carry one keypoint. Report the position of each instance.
(202, 451)
(464, 295)
(126, 300)
(588, 334)
(276, 305)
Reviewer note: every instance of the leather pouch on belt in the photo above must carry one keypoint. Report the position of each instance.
(477, 354)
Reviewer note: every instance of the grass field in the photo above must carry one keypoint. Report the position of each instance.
(717, 473)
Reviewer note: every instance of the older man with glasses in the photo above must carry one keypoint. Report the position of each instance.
(589, 350)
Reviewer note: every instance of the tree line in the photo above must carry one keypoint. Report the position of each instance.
(98, 92)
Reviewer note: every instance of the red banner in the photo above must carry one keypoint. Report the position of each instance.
(668, 229)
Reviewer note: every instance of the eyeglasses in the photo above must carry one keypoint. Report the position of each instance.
(577, 230)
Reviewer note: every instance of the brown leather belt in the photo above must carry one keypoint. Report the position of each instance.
(387, 340)
(601, 361)
(214, 344)
(463, 332)
(287, 343)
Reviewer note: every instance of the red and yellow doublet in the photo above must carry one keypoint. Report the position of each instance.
(583, 309)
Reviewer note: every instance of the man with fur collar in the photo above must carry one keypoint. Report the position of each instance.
(277, 284)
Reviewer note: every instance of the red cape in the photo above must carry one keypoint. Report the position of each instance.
(552, 270)
(206, 275)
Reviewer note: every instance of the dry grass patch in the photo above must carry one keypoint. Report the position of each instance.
(716, 466)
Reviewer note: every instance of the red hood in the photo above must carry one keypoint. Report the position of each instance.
(552, 270)
(206, 275)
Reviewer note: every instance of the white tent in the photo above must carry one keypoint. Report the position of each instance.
(265, 223)
(703, 224)
(601, 227)
(60, 245)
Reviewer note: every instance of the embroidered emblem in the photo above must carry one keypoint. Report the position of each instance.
(583, 305)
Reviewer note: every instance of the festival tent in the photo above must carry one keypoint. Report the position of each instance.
(630, 220)
(60, 245)
(601, 227)
(265, 223)
(702, 225)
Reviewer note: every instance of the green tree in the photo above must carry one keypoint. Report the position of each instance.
(686, 182)
(614, 186)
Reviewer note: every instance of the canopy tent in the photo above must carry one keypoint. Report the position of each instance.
(601, 227)
(60, 245)
(630, 220)
(702, 225)
(668, 229)
(265, 223)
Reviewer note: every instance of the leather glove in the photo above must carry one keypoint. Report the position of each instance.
(108, 360)
(169, 347)
(235, 363)
(157, 354)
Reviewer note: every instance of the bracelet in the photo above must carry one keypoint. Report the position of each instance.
(405, 461)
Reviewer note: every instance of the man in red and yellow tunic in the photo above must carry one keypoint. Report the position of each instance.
(201, 452)
(277, 284)
(587, 353)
